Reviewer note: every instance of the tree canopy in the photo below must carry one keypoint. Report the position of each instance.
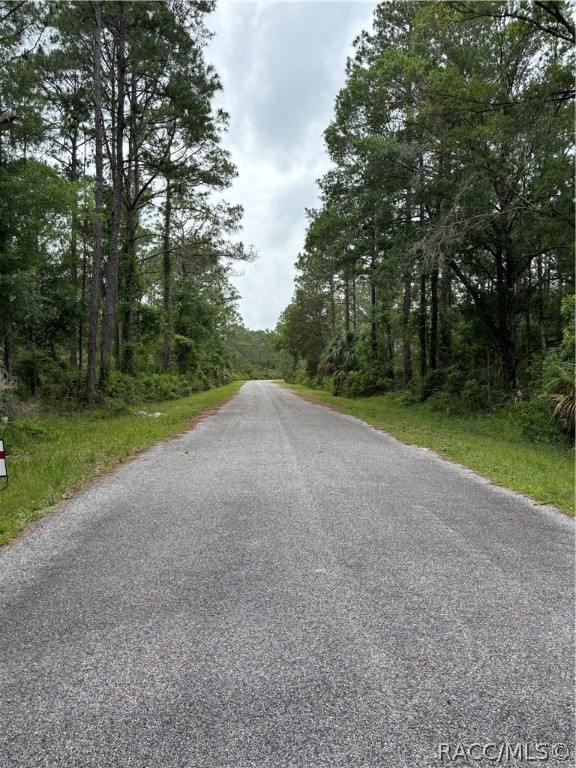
(445, 237)
(115, 249)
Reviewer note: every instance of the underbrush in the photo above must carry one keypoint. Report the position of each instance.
(150, 387)
(65, 392)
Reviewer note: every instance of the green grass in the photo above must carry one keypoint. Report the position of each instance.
(52, 456)
(491, 444)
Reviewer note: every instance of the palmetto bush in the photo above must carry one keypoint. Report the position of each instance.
(339, 358)
(560, 370)
(559, 391)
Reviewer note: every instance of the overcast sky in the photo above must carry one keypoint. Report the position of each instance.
(281, 63)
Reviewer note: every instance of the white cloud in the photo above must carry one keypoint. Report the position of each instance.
(281, 65)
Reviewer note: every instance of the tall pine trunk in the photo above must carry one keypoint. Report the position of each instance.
(407, 303)
(541, 313)
(373, 329)
(74, 176)
(117, 163)
(444, 319)
(422, 322)
(423, 307)
(506, 320)
(98, 205)
(332, 306)
(346, 304)
(132, 222)
(167, 361)
(83, 284)
(406, 341)
(433, 345)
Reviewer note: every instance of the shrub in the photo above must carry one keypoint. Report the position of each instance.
(186, 353)
(409, 397)
(359, 384)
(128, 357)
(475, 396)
(433, 382)
(559, 392)
(301, 374)
(537, 423)
(121, 386)
(558, 371)
(444, 402)
(162, 386)
(340, 358)
(152, 386)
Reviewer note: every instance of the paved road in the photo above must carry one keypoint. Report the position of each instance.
(286, 587)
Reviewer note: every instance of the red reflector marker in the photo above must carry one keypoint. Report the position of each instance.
(3, 470)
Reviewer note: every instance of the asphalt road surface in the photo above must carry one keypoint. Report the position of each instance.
(286, 587)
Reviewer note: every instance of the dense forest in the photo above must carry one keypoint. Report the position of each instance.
(440, 262)
(115, 247)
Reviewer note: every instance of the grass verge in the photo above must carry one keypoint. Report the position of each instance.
(491, 444)
(51, 457)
